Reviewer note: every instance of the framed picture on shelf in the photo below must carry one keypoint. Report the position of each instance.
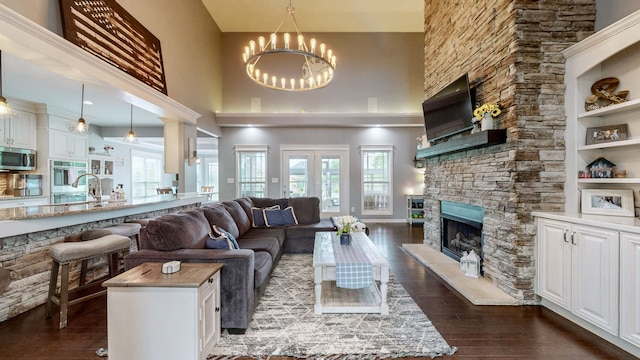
(603, 134)
(608, 202)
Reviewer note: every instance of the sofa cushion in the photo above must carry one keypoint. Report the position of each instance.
(307, 209)
(262, 266)
(246, 205)
(218, 215)
(220, 243)
(185, 230)
(268, 202)
(280, 217)
(243, 222)
(267, 244)
(278, 233)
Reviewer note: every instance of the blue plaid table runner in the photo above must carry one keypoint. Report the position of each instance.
(353, 267)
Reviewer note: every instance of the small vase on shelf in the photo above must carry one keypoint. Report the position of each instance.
(345, 239)
(487, 122)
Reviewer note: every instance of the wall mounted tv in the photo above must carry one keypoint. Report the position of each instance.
(450, 111)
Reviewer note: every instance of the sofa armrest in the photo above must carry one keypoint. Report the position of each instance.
(236, 278)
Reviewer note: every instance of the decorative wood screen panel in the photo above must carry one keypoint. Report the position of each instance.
(105, 29)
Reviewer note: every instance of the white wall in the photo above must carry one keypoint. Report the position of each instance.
(610, 11)
(406, 177)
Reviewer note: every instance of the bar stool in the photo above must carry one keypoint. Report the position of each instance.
(130, 230)
(67, 252)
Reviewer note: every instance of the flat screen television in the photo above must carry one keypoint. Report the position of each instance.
(450, 111)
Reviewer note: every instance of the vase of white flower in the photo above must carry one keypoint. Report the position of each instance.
(487, 122)
(345, 239)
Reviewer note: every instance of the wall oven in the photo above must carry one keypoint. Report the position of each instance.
(17, 159)
(63, 174)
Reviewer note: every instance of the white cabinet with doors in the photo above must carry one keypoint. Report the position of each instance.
(102, 166)
(588, 270)
(19, 132)
(578, 269)
(139, 324)
(630, 287)
(57, 140)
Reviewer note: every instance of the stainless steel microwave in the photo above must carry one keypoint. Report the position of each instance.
(17, 159)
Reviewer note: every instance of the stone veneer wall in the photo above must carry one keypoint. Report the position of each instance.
(511, 50)
(27, 259)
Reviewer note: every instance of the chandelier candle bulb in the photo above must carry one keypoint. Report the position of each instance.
(323, 48)
(287, 37)
(300, 42)
(265, 76)
(293, 83)
(301, 83)
(313, 45)
(274, 80)
(261, 43)
(252, 47)
(283, 82)
(257, 72)
(274, 41)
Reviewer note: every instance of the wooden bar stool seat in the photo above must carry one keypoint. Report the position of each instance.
(63, 254)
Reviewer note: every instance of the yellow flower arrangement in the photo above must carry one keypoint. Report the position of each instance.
(492, 109)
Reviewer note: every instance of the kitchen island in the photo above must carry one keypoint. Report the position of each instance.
(27, 233)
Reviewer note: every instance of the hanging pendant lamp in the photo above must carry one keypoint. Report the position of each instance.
(81, 125)
(6, 112)
(131, 136)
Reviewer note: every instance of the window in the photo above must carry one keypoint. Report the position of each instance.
(377, 180)
(251, 168)
(146, 173)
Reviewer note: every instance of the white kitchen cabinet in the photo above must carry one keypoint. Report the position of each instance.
(67, 145)
(158, 316)
(20, 132)
(102, 166)
(630, 287)
(578, 269)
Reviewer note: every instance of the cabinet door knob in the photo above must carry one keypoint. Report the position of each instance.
(564, 235)
(218, 309)
(573, 237)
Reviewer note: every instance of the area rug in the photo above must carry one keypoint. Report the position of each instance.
(284, 324)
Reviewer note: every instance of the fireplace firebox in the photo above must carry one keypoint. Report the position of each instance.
(461, 229)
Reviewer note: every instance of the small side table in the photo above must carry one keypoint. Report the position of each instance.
(151, 315)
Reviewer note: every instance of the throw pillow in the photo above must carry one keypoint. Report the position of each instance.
(218, 240)
(277, 217)
(232, 239)
(258, 215)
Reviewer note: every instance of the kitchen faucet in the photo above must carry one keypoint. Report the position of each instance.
(98, 196)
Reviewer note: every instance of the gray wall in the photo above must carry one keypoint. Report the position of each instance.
(610, 11)
(406, 177)
(388, 66)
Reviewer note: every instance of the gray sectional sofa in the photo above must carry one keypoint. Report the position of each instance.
(246, 272)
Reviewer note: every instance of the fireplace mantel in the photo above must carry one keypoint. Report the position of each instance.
(468, 142)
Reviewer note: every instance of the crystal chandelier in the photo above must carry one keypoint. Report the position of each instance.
(316, 68)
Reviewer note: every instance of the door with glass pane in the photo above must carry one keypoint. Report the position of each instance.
(320, 173)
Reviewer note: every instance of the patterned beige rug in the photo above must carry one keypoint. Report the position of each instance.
(284, 324)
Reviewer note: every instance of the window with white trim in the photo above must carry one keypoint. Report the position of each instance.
(251, 171)
(146, 173)
(377, 180)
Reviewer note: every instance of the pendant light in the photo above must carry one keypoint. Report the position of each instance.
(81, 125)
(6, 112)
(131, 136)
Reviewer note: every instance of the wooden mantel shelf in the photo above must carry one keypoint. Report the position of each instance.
(468, 142)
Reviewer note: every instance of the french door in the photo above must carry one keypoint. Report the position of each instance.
(319, 171)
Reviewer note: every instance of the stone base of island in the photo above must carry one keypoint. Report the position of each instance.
(26, 234)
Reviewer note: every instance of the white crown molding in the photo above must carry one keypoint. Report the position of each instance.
(320, 119)
(28, 40)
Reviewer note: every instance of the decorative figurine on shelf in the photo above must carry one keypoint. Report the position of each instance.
(485, 114)
(601, 168)
(603, 95)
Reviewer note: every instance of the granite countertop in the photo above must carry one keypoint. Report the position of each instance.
(45, 211)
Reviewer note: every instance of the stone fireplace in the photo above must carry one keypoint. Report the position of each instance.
(460, 229)
(512, 53)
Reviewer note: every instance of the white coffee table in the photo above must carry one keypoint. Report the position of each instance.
(331, 299)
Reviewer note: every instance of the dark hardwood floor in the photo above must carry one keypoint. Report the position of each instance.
(479, 332)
